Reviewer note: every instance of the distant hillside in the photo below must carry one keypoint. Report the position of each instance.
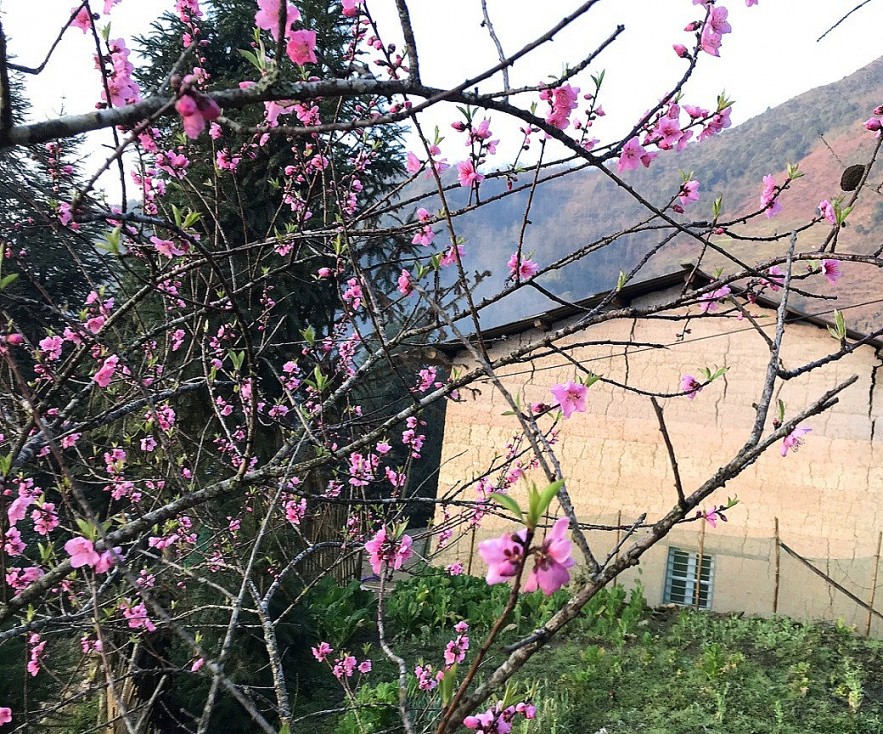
(821, 130)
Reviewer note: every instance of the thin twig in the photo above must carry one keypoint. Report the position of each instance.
(672, 458)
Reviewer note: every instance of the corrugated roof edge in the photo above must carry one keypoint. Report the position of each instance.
(627, 294)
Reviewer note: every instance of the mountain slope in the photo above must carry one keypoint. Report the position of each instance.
(822, 130)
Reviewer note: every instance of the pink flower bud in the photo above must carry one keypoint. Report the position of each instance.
(874, 124)
(186, 106)
(694, 26)
(681, 50)
(324, 272)
(14, 339)
(458, 126)
(208, 108)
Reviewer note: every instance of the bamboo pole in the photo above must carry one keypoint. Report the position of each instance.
(874, 584)
(471, 552)
(699, 560)
(831, 582)
(778, 570)
(618, 530)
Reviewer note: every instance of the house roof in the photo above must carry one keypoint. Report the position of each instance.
(628, 293)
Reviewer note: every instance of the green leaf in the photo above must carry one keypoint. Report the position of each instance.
(446, 684)
(547, 495)
(191, 218)
(87, 529)
(838, 330)
(504, 500)
(590, 379)
(251, 58)
(7, 280)
(112, 242)
(320, 379)
(712, 376)
(621, 281)
(237, 358)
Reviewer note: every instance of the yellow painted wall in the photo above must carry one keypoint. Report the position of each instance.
(828, 497)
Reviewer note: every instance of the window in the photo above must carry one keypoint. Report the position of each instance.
(684, 583)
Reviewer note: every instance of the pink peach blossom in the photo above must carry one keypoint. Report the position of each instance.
(689, 192)
(708, 302)
(503, 555)
(552, 561)
(82, 552)
(571, 396)
(467, 174)
(322, 652)
(404, 283)
(267, 17)
(105, 374)
(776, 277)
(350, 8)
(831, 270)
(301, 47)
(769, 197)
(195, 110)
(521, 269)
(826, 209)
(690, 386)
(794, 440)
(391, 551)
(632, 153)
(83, 21)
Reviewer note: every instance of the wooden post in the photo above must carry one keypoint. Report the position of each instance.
(699, 559)
(777, 570)
(874, 584)
(471, 552)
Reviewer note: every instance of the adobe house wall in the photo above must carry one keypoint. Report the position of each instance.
(827, 497)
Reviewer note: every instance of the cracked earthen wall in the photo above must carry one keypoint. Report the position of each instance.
(827, 497)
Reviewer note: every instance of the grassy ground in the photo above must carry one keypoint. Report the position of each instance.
(696, 672)
(622, 668)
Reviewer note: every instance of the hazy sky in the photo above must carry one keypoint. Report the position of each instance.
(771, 56)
